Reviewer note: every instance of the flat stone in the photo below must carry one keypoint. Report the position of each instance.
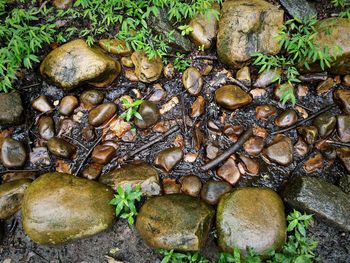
(299, 8)
(58, 208)
(232, 97)
(229, 171)
(92, 97)
(317, 197)
(15, 176)
(46, 127)
(103, 154)
(11, 109)
(251, 217)
(213, 190)
(169, 158)
(267, 77)
(67, 105)
(343, 128)
(115, 46)
(286, 118)
(42, 104)
(147, 70)
(254, 145)
(308, 133)
(102, 113)
(135, 173)
(170, 186)
(176, 221)
(92, 171)
(265, 111)
(314, 163)
(342, 98)
(13, 153)
(149, 113)
(192, 81)
(61, 148)
(280, 150)
(325, 124)
(191, 185)
(243, 75)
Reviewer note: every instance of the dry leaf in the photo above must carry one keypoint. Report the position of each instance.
(63, 167)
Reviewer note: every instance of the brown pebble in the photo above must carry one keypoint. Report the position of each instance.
(102, 154)
(92, 171)
(254, 145)
(229, 171)
(42, 104)
(314, 163)
(68, 105)
(301, 147)
(198, 107)
(191, 185)
(286, 118)
(170, 186)
(263, 112)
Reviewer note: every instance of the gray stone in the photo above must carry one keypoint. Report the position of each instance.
(11, 109)
(299, 8)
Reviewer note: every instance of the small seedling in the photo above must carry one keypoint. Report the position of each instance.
(181, 63)
(124, 202)
(185, 30)
(131, 109)
(170, 256)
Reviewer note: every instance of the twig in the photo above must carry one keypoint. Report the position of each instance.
(30, 86)
(311, 117)
(183, 113)
(204, 57)
(76, 141)
(98, 141)
(342, 144)
(238, 83)
(314, 77)
(215, 162)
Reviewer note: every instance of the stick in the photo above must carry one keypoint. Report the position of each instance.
(204, 57)
(314, 77)
(313, 116)
(238, 83)
(215, 162)
(87, 155)
(341, 144)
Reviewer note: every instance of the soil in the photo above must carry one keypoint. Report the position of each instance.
(334, 245)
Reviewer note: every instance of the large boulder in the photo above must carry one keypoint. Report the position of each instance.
(75, 63)
(135, 173)
(11, 195)
(58, 208)
(320, 198)
(11, 109)
(175, 221)
(246, 27)
(251, 217)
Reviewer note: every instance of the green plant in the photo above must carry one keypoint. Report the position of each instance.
(235, 257)
(345, 7)
(181, 63)
(132, 108)
(185, 30)
(124, 202)
(170, 256)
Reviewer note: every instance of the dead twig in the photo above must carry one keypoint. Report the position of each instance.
(215, 162)
(183, 113)
(98, 141)
(238, 83)
(76, 141)
(204, 57)
(301, 122)
(314, 77)
(341, 144)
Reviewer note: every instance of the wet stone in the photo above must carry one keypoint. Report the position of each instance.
(265, 111)
(198, 107)
(176, 221)
(170, 186)
(68, 105)
(344, 155)
(92, 97)
(159, 94)
(212, 151)
(267, 78)
(254, 145)
(46, 127)
(314, 163)
(115, 46)
(103, 154)
(61, 148)
(127, 62)
(88, 134)
(229, 171)
(58, 208)
(11, 109)
(13, 153)
(146, 70)
(301, 147)
(317, 197)
(325, 124)
(324, 86)
(299, 8)
(192, 81)
(11, 195)
(191, 185)
(308, 133)
(168, 158)
(342, 97)
(213, 190)
(135, 173)
(169, 71)
(346, 80)
(92, 171)
(286, 118)
(280, 150)
(343, 128)
(102, 113)
(232, 97)
(39, 156)
(243, 75)
(251, 217)
(42, 104)
(149, 113)
(251, 166)
(15, 176)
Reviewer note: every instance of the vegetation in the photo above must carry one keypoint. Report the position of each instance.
(298, 249)
(344, 5)
(132, 108)
(124, 202)
(181, 63)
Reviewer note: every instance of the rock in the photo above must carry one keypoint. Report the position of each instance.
(103, 154)
(325, 124)
(251, 217)
(213, 190)
(162, 26)
(61, 148)
(232, 97)
(11, 109)
(39, 156)
(246, 27)
(169, 158)
(58, 208)
(324, 86)
(265, 111)
(169, 71)
(42, 104)
(346, 80)
(280, 150)
(13, 153)
(301, 147)
(176, 221)
(342, 97)
(258, 93)
(344, 183)
(158, 95)
(102, 113)
(68, 105)
(229, 171)
(299, 8)
(212, 151)
(191, 185)
(198, 107)
(243, 75)
(250, 165)
(135, 173)
(343, 128)
(286, 118)
(15, 176)
(254, 145)
(92, 171)
(63, 4)
(170, 186)
(319, 198)
(302, 90)
(192, 81)
(75, 63)
(115, 46)
(127, 62)
(92, 97)
(149, 113)
(267, 78)
(11, 195)
(308, 133)
(314, 163)
(205, 28)
(46, 127)
(344, 155)
(146, 70)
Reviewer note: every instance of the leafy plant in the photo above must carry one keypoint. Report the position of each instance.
(235, 257)
(345, 7)
(185, 29)
(181, 63)
(132, 108)
(170, 256)
(124, 202)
